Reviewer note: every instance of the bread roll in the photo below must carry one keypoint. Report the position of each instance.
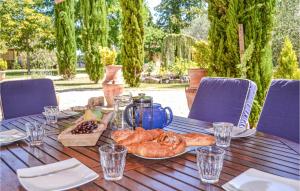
(141, 135)
(197, 139)
(168, 144)
(120, 135)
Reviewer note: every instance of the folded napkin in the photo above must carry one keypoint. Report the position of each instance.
(253, 179)
(11, 135)
(56, 176)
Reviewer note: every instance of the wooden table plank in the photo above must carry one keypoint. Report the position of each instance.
(156, 185)
(177, 184)
(8, 179)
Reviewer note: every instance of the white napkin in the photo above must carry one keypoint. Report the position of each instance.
(60, 179)
(11, 135)
(253, 179)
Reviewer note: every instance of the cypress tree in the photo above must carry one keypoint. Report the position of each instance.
(132, 51)
(65, 38)
(223, 37)
(258, 22)
(94, 35)
(256, 17)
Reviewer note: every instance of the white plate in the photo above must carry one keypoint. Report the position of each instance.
(11, 136)
(61, 175)
(237, 132)
(253, 179)
(64, 114)
(187, 149)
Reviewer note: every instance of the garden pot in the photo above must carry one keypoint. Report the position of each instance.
(190, 96)
(110, 91)
(2, 75)
(113, 73)
(195, 75)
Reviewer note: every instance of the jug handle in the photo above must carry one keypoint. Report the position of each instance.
(170, 119)
(126, 114)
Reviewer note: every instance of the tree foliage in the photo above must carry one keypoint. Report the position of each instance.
(3, 65)
(94, 36)
(174, 15)
(287, 23)
(256, 17)
(199, 27)
(258, 23)
(223, 37)
(153, 41)
(65, 35)
(45, 7)
(132, 51)
(201, 54)
(114, 22)
(287, 63)
(181, 67)
(177, 46)
(25, 29)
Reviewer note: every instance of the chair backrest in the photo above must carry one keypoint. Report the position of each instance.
(26, 97)
(280, 114)
(224, 100)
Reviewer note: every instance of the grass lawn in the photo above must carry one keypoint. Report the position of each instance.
(82, 82)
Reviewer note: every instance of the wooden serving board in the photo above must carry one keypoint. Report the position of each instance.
(68, 139)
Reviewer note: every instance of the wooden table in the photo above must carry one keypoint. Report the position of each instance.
(262, 152)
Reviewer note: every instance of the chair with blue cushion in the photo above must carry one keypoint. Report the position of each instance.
(224, 100)
(280, 113)
(26, 97)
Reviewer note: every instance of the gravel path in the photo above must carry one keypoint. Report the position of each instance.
(173, 98)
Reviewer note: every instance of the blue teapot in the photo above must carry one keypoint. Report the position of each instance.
(143, 113)
(161, 118)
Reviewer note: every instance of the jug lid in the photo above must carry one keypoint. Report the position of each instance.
(142, 98)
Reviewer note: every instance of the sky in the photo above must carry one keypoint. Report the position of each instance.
(152, 4)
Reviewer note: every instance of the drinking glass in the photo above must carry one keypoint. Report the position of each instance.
(120, 103)
(223, 131)
(113, 158)
(51, 113)
(35, 132)
(210, 163)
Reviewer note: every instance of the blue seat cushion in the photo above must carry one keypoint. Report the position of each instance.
(224, 100)
(26, 97)
(280, 114)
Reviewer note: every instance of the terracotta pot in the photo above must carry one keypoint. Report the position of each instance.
(196, 74)
(2, 75)
(190, 96)
(110, 91)
(112, 73)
